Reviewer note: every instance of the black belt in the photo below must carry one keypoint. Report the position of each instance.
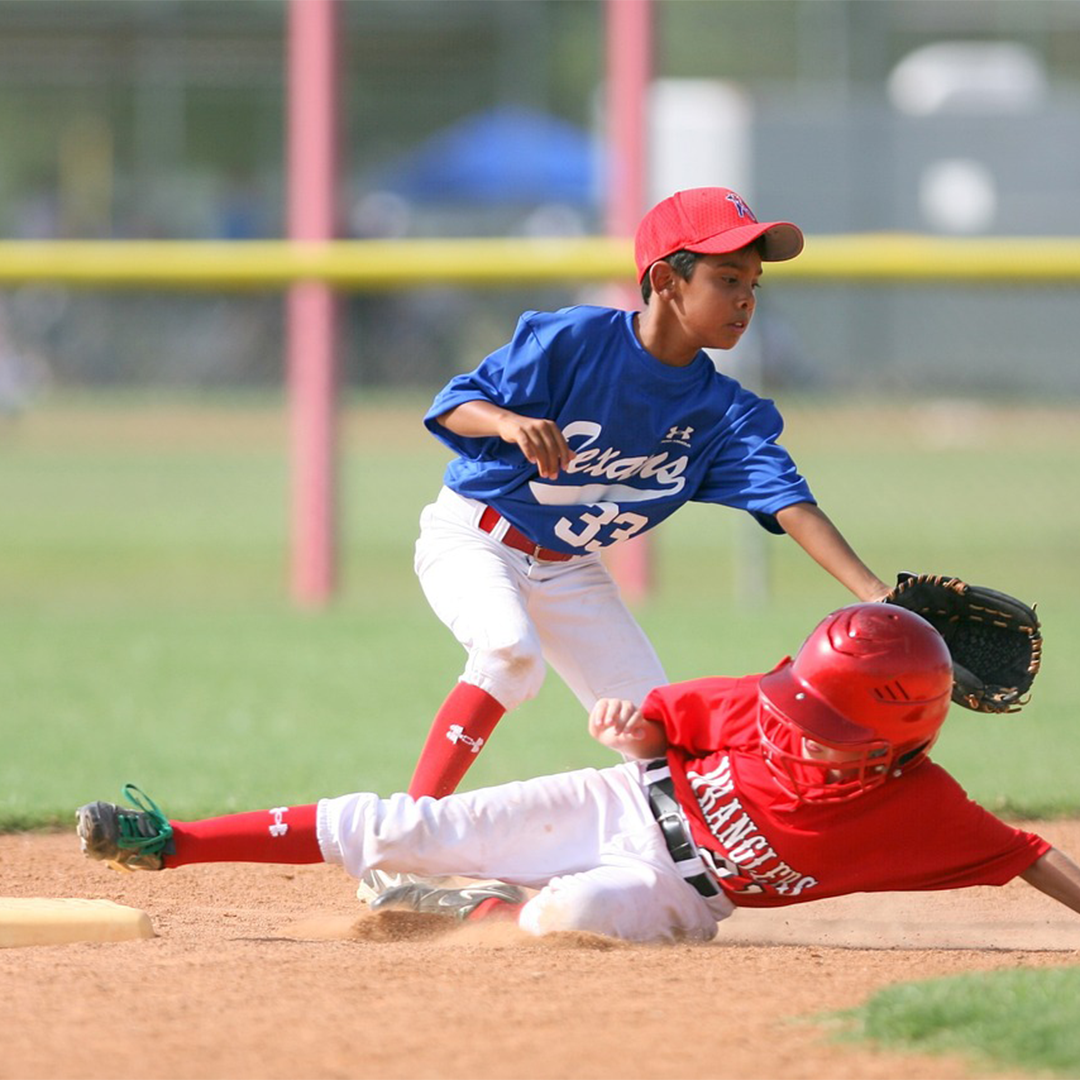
(684, 852)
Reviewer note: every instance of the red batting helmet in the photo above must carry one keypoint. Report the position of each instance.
(864, 699)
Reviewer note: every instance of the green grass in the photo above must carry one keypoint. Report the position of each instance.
(1024, 1019)
(147, 633)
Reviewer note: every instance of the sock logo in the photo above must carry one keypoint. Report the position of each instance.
(279, 828)
(456, 734)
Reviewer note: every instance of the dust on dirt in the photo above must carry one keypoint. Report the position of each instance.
(267, 971)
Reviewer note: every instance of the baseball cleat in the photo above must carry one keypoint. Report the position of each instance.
(376, 882)
(126, 839)
(456, 903)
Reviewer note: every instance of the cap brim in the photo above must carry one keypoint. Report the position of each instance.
(813, 716)
(783, 240)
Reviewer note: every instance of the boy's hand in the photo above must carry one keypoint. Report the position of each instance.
(613, 716)
(619, 725)
(539, 440)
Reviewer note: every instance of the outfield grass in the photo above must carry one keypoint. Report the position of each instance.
(1024, 1019)
(147, 632)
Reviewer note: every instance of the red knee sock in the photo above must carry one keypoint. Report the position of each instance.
(461, 726)
(284, 834)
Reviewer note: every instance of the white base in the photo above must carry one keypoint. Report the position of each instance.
(50, 921)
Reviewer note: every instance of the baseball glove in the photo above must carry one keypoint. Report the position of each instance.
(994, 639)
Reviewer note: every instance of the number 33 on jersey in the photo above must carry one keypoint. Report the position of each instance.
(648, 437)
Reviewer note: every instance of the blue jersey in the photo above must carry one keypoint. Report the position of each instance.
(648, 437)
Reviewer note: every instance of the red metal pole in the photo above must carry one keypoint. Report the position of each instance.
(629, 69)
(311, 333)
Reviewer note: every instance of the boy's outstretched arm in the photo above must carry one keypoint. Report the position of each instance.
(809, 526)
(1056, 875)
(619, 726)
(539, 440)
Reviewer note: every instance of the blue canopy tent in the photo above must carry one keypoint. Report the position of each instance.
(506, 155)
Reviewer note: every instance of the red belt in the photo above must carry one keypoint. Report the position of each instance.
(516, 539)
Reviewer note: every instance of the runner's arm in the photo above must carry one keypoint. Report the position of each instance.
(1056, 875)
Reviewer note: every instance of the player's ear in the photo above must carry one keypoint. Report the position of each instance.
(662, 278)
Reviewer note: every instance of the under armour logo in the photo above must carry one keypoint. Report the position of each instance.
(740, 207)
(679, 434)
(279, 828)
(456, 734)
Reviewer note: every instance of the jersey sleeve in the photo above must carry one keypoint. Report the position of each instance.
(962, 842)
(514, 377)
(753, 471)
(701, 715)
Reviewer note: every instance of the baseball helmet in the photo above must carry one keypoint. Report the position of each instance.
(863, 700)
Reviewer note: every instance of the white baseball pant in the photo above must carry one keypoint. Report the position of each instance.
(586, 839)
(512, 612)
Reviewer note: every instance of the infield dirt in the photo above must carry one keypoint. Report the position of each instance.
(265, 971)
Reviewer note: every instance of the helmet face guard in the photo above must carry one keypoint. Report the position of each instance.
(814, 771)
(863, 700)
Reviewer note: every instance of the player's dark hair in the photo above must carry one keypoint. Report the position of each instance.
(682, 262)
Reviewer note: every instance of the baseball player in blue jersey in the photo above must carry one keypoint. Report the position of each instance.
(591, 426)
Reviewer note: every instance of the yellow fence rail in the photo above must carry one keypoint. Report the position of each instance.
(382, 265)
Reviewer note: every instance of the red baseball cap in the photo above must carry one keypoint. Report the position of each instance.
(710, 221)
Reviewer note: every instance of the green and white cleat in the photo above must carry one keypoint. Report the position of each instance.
(126, 839)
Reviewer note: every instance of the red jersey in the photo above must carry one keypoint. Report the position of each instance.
(916, 832)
